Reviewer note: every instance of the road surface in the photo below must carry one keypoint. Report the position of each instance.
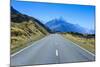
(52, 49)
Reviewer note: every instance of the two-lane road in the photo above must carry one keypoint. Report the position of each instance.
(49, 50)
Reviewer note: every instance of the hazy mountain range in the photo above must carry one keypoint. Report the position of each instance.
(60, 25)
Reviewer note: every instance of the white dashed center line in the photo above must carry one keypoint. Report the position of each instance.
(56, 52)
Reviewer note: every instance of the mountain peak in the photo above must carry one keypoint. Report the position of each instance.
(59, 19)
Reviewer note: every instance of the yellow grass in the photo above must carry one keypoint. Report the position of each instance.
(24, 33)
(87, 43)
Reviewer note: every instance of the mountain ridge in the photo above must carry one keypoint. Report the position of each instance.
(60, 25)
(25, 29)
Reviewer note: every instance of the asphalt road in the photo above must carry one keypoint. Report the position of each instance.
(52, 49)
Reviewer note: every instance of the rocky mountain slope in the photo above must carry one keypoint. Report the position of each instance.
(25, 29)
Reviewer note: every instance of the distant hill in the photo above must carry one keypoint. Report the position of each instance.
(60, 25)
(25, 29)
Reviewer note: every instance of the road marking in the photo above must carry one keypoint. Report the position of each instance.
(28, 46)
(56, 52)
(25, 48)
(21, 50)
(82, 48)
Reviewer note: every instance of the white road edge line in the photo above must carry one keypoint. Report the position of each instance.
(82, 48)
(24, 49)
(56, 52)
(21, 50)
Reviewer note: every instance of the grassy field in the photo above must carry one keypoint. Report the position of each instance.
(86, 42)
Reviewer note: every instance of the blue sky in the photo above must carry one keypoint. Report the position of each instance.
(75, 14)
